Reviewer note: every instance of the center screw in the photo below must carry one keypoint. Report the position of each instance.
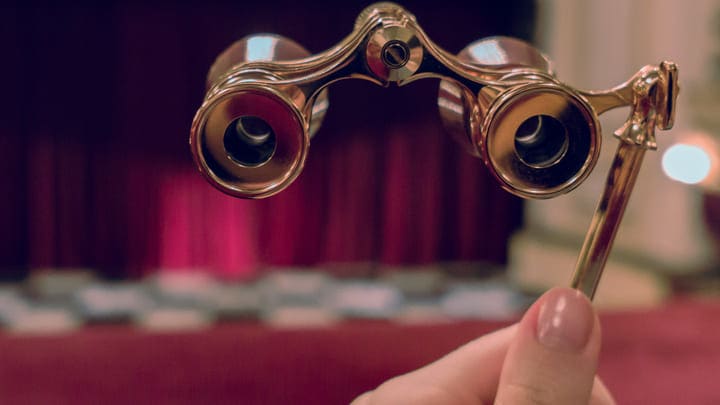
(395, 54)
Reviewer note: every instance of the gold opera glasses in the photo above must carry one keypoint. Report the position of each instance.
(499, 97)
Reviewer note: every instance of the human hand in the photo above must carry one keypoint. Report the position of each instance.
(549, 357)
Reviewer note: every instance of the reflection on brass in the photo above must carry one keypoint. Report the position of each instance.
(654, 91)
(499, 98)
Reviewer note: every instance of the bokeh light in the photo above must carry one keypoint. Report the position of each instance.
(688, 164)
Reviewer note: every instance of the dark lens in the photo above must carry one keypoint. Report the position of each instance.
(541, 141)
(249, 141)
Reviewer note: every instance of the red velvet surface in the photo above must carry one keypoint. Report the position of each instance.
(665, 356)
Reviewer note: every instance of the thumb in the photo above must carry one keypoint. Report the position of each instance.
(553, 359)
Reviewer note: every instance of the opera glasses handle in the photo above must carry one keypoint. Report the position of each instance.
(499, 97)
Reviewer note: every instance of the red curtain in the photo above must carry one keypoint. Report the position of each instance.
(96, 106)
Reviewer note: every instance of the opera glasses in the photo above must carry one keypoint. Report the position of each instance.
(499, 98)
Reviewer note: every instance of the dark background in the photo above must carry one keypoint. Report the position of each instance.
(97, 100)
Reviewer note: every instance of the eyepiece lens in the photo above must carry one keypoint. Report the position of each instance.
(541, 141)
(249, 141)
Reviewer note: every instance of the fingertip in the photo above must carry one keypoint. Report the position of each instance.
(565, 320)
(553, 358)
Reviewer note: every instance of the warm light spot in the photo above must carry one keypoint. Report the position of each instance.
(686, 163)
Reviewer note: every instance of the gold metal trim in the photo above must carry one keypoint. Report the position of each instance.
(654, 93)
(488, 95)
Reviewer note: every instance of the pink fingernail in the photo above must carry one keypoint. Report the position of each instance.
(565, 321)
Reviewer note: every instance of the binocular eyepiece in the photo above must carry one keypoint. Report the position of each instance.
(250, 137)
(538, 137)
(267, 96)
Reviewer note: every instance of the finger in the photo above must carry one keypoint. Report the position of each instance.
(553, 358)
(364, 399)
(600, 394)
(468, 375)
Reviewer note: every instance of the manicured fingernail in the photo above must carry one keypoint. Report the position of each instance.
(565, 321)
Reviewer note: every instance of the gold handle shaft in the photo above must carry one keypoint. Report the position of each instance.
(599, 239)
(653, 91)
